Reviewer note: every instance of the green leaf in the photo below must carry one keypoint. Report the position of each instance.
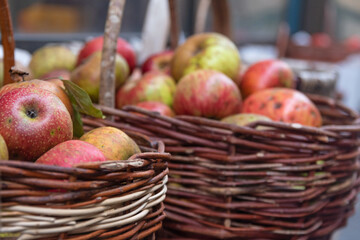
(81, 100)
(77, 124)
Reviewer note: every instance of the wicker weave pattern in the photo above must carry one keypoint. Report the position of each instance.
(285, 182)
(108, 200)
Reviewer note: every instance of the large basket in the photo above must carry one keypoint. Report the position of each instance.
(281, 181)
(104, 200)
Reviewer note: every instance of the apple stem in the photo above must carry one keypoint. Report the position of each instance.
(17, 75)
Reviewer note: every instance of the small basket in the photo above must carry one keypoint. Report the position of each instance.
(103, 200)
(286, 181)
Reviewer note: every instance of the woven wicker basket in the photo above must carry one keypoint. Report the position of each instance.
(286, 181)
(105, 200)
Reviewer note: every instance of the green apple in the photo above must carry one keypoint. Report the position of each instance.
(206, 51)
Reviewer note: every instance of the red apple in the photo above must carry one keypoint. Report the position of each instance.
(207, 93)
(321, 40)
(70, 153)
(152, 86)
(96, 44)
(51, 86)
(4, 153)
(32, 121)
(159, 107)
(159, 62)
(57, 74)
(266, 74)
(206, 51)
(283, 104)
(352, 43)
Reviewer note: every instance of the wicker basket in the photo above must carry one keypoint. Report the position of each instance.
(105, 200)
(286, 181)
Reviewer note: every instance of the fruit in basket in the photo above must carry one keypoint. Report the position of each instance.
(159, 62)
(4, 153)
(283, 104)
(33, 120)
(87, 75)
(159, 107)
(207, 93)
(70, 153)
(57, 74)
(112, 142)
(152, 86)
(206, 51)
(123, 48)
(352, 43)
(243, 119)
(49, 58)
(46, 85)
(266, 74)
(322, 40)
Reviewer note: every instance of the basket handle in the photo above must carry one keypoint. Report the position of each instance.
(7, 38)
(111, 33)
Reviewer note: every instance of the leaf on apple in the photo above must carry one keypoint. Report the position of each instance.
(81, 102)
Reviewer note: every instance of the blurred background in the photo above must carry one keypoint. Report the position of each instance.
(320, 39)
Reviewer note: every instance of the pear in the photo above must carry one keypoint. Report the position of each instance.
(87, 75)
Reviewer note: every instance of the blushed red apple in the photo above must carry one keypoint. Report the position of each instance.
(70, 153)
(207, 93)
(322, 40)
(283, 104)
(159, 107)
(123, 48)
(158, 62)
(266, 74)
(33, 120)
(152, 86)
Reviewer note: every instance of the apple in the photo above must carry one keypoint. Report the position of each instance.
(352, 44)
(57, 74)
(70, 153)
(152, 86)
(46, 85)
(283, 104)
(243, 119)
(112, 142)
(207, 93)
(96, 44)
(206, 51)
(159, 62)
(4, 153)
(87, 75)
(50, 58)
(266, 74)
(321, 40)
(154, 106)
(33, 120)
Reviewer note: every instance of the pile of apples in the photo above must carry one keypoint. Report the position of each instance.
(203, 77)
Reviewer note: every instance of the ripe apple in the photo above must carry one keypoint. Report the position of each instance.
(49, 58)
(70, 153)
(57, 74)
(112, 142)
(159, 107)
(152, 86)
(206, 51)
(207, 93)
(4, 154)
(87, 75)
(283, 104)
(243, 119)
(46, 85)
(96, 44)
(266, 74)
(352, 43)
(159, 62)
(321, 40)
(33, 120)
